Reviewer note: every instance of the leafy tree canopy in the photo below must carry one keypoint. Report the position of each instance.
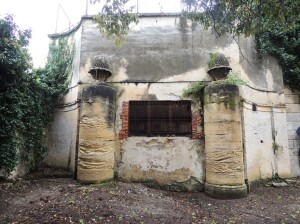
(27, 96)
(274, 23)
(246, 17)
(285, 46)
(237, 17)
(114, 19)
(15, 61)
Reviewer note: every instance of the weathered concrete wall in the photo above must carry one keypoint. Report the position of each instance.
(264, 115)
(292, 100)
(165, 160)
(170, 50)
(156, 48)
(265, 90)
(265, 129)
(62, 132)
(264, 132)
(148, 56)
(161, 56)
(96, 134)
(261, 73)
(223, 142)
(62, 139)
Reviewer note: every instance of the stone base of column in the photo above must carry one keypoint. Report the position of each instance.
(226, 191)
(95, 176)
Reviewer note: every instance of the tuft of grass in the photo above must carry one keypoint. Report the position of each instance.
(195, 90)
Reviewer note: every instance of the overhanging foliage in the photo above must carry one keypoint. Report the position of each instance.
(114, 19)
(27, 96)
(285, 46)
(274, 23)
(243, 17)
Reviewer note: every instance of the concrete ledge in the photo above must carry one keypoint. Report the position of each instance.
(226, 192)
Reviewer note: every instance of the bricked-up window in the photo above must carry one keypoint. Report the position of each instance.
(160, 118)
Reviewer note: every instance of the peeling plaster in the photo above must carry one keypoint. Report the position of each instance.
(163, 159)
(166, 50)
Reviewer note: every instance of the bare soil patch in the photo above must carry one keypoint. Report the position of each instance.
(63, 200)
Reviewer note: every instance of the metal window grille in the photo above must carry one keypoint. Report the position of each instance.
(160, 118)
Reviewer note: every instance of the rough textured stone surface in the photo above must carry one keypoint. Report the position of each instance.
(223, 142)
(96, 135)
(226, 191)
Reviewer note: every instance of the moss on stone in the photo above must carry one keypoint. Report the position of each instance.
(225, 93)
(226, 192)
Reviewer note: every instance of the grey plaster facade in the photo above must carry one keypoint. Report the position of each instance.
(161, 56)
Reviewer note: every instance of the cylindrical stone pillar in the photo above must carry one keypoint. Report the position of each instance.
(223, 142)
(96, 135)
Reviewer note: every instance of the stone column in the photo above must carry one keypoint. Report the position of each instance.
(96, 135)
(223, 142)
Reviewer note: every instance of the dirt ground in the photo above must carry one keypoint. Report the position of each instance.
(63, 200)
